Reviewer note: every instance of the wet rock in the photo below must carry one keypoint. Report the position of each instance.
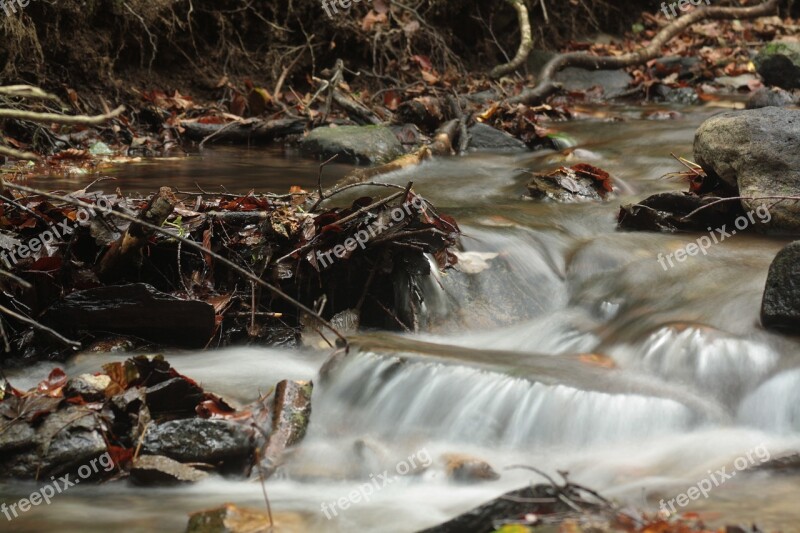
(613, 82)
(756, 151)
(89, 387)
(353, 144)
(65, 440)
(199, 440)
(137, 309)
(779, 64)
(780, 306)
(174, 397)
(290, 416)
(160, 470)
(232, 519)
(483, 137)
(766, 97)
(536, 500)
(679, 95)
(666, 211)
(581, 182)
(16, 436)
(787, 464)
(683, 66)
(468, 469)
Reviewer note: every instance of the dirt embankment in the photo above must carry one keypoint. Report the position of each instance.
(109, 48)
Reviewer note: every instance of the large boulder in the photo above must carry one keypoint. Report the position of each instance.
(353, 144)
(756, 151)
(779, 64)
(780, 307)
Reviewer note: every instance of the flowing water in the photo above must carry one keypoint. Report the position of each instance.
(683, 381)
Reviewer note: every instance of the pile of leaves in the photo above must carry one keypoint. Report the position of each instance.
(103, 277)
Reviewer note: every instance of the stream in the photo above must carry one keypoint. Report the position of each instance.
(684, 382)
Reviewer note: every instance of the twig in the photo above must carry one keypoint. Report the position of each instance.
(23, 318)
(319, 183)
(721, 200)
(227, 262)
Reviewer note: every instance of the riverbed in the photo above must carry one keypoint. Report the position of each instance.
(683, 381)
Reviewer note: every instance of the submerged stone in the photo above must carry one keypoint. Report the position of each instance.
(353, 144)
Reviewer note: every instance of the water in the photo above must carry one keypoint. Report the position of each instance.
(683, 380)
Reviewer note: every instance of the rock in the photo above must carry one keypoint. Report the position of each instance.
(679, 95)
(780, 307)
(666, 211)
(232, 519)
(198, 440)
(466, 469)
(485, 138)
(779, 64)
(290, 416)
(174, 397)
(89, 387)
(65, 440)
(16, 436)
(353, 144)
(160, 470)
(683, 66)
(535, 500)
(613, 82)
(786, 464)
(136, 309)
(766, 97)
(756, 151)
(581, 182)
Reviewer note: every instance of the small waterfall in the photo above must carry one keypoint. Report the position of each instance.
(703, 358)
(393, 398)
(775, 405)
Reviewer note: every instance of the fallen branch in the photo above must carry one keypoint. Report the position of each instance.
(55, 118)
(525, 45)
(651, 51)
(243, 132)
(355, 110)
(36, 325)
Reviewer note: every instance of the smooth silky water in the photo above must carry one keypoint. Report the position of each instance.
(497, 372)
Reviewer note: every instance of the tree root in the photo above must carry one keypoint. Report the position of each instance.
(525, 45)
(651, 51)
(55, 118)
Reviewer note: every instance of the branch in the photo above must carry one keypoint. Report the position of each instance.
(651, 51)
(36, 325)
(60, 119)
(525, 44)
